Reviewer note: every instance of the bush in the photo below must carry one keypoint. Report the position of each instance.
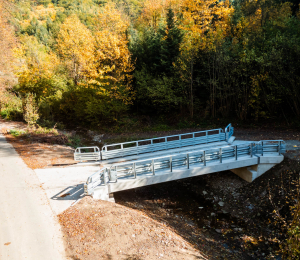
(10, 106)
(30, 110)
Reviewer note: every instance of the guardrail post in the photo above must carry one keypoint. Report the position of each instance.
(204, 159)
(153, 168)
(188, 160)
(251, 149)
(171, 168)
(235, 152)
(206, 136)
(262, 148)
(134, 170)
(220, 154)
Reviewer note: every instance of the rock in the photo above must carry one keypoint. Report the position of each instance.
(204, 192)
(226, 246)
(218, 231)
(200, 207)
(263, 193)
(221, 203)
(250, 206)
(258, 214)
(212, 214)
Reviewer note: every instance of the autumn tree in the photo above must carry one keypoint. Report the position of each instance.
(76, 47)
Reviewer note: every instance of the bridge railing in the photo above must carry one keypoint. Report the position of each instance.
(161, 143)
(271, 146)
(229, 131)
(203, 157)
(91, 153)
(152, 145)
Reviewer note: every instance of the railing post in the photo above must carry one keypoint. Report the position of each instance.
(134, 170)
(171, 169)
(279, 146)
(180, 140)
(235, 152)
(206, 136)
(104, 176)
(153, 169)
(262, 148)
(204, 159)
(220, 154)
(188, 160)
(251, 149)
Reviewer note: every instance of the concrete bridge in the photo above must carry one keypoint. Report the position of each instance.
(151, 161)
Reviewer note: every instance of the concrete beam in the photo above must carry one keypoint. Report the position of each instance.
(249, 174)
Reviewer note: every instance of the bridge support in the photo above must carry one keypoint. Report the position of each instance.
(249, 174)
(102, 193)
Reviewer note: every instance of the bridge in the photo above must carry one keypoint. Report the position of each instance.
(146, 162)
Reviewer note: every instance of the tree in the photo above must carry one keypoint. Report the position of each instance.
(76, 46)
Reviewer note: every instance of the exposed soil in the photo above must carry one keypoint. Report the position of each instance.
(38, 151)
(216, 216)
(104, 230)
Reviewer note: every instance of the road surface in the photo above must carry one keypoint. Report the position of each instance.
(28, 226)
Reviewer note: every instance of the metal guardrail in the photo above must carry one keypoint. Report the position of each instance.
(91, 153)
(154, 144)
(161, 143)
(202, 157)
(229, 131)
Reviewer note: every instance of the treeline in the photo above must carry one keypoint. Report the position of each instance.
(96, 62)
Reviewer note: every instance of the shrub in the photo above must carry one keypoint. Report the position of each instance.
(10, 106)
(30, 110)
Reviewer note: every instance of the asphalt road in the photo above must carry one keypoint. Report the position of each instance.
(28, 226)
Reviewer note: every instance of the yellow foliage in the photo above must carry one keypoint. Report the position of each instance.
(36, 65)
(206, 20)
(112, 56)
(76, 46)
(111, 19)
(154, 11)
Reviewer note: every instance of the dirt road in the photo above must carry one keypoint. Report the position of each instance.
(28, 227)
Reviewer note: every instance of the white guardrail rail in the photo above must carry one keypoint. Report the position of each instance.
(150, 166)
(152, 145)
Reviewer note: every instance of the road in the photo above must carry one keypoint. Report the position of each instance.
(28, 226)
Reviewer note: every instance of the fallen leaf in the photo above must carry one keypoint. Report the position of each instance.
(8, 243)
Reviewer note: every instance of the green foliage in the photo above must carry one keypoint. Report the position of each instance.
(17, 132)
(74, 140)
(10, 106)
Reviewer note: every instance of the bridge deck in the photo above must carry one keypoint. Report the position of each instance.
(165, 152)
(247, 159)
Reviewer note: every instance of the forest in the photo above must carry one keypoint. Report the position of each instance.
(110, 62)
